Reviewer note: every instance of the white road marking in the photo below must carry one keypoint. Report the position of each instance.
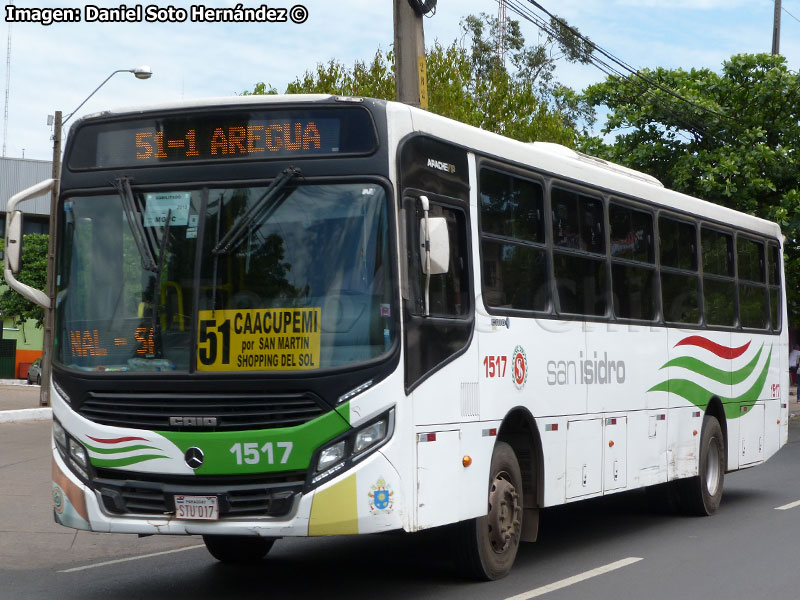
(541, 591)
(788, 506)
(122, 560)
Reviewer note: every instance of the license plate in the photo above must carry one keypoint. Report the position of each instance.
(197, 508)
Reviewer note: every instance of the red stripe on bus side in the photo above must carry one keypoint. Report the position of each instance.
(718, 349)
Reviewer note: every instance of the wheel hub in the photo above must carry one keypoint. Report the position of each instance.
(504, 513)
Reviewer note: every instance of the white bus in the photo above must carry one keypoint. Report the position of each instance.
(309, 315)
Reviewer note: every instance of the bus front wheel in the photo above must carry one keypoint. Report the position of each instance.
(487, 546)
(238, 549)
(701, 495)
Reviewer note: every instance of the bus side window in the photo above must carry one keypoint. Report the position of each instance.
(750, 271)
(774, 283)
(680, 295)
(579, 264)
(718, 277)
(512, 242)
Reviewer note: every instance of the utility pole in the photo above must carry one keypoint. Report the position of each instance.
(47, 342)
(776, 29)
(411, 82)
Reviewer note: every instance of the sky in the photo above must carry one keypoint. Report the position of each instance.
(55, 67)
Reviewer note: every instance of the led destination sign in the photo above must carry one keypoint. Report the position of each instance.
(220, 136)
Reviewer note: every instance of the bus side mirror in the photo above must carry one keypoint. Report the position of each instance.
(13, 249)
(437, 240)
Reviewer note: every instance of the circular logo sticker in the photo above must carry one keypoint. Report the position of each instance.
(519, 363)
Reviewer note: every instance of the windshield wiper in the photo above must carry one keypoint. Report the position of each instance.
(123, 187)
(259, 211)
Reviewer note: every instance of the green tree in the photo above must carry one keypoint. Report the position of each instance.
(468, 82)
(736, 143)
(33, 273)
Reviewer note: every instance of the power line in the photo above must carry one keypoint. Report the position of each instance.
(624, 65)
(614, 66)
(790, 14)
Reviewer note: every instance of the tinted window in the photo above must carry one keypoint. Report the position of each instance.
(753, 306)
(512, 242)
(580, 284)
(775, 307)
(680, 299)
(634, 296)
(750, 259)
(678, 244)
(577, 221)
(718, 302)
(631, 234)
(774, 280)
(448, 294)
(514, 276)
(773, 265)
(511, 207)
(717, 248)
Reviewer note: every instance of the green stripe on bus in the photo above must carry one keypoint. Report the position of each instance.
(123, 462)
(260, 450)
(702, 368)
(699, 396)
(120, 450)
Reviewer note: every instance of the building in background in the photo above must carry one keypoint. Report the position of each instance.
(20, 346)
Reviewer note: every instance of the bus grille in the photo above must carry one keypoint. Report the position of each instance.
(234, 412)
(146, 497)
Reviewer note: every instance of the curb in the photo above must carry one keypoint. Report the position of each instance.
(26, 414)
(22, 382)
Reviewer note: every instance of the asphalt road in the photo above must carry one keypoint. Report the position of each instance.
(747, 551)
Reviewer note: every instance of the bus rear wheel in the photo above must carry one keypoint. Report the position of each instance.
(236, 549)
(701, 495)
(487, 546)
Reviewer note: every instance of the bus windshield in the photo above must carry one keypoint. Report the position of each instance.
(143, 286)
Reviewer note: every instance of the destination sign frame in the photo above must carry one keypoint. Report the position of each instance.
(221, 136)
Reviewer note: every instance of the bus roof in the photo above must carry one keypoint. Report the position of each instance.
(552, 158)
(581, 168)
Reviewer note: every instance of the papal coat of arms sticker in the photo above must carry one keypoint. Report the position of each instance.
(381, 497)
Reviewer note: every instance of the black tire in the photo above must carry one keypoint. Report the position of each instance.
(237, 549)
(487, 546)
(702, 495)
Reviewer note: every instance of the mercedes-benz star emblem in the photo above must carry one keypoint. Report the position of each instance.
(194, 457)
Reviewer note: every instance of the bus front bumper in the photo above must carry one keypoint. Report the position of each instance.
(364, 499)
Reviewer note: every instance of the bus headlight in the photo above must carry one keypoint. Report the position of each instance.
(369, 436)
(78, 453)
(350, 448)
(60, 436)
(331, 455)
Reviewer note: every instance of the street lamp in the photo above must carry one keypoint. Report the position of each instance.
(142, 72)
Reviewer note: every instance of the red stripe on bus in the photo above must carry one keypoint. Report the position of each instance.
(118, 440)
(718, 349)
